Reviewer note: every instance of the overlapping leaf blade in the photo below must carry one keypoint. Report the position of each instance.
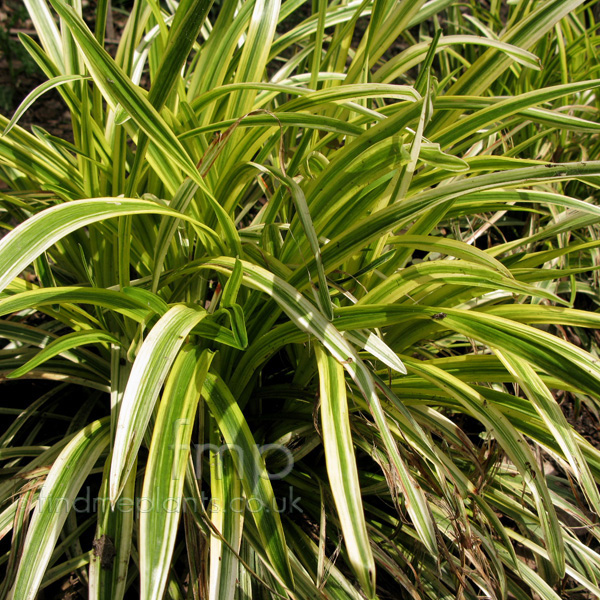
(56, 497)
(150, 369)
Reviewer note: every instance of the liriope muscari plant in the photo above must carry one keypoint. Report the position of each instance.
(292, 307)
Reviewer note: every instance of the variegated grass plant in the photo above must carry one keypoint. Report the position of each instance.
(348, 250)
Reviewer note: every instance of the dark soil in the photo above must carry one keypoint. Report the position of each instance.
(19, 75)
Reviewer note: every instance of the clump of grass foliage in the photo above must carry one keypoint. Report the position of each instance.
(346, 240)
